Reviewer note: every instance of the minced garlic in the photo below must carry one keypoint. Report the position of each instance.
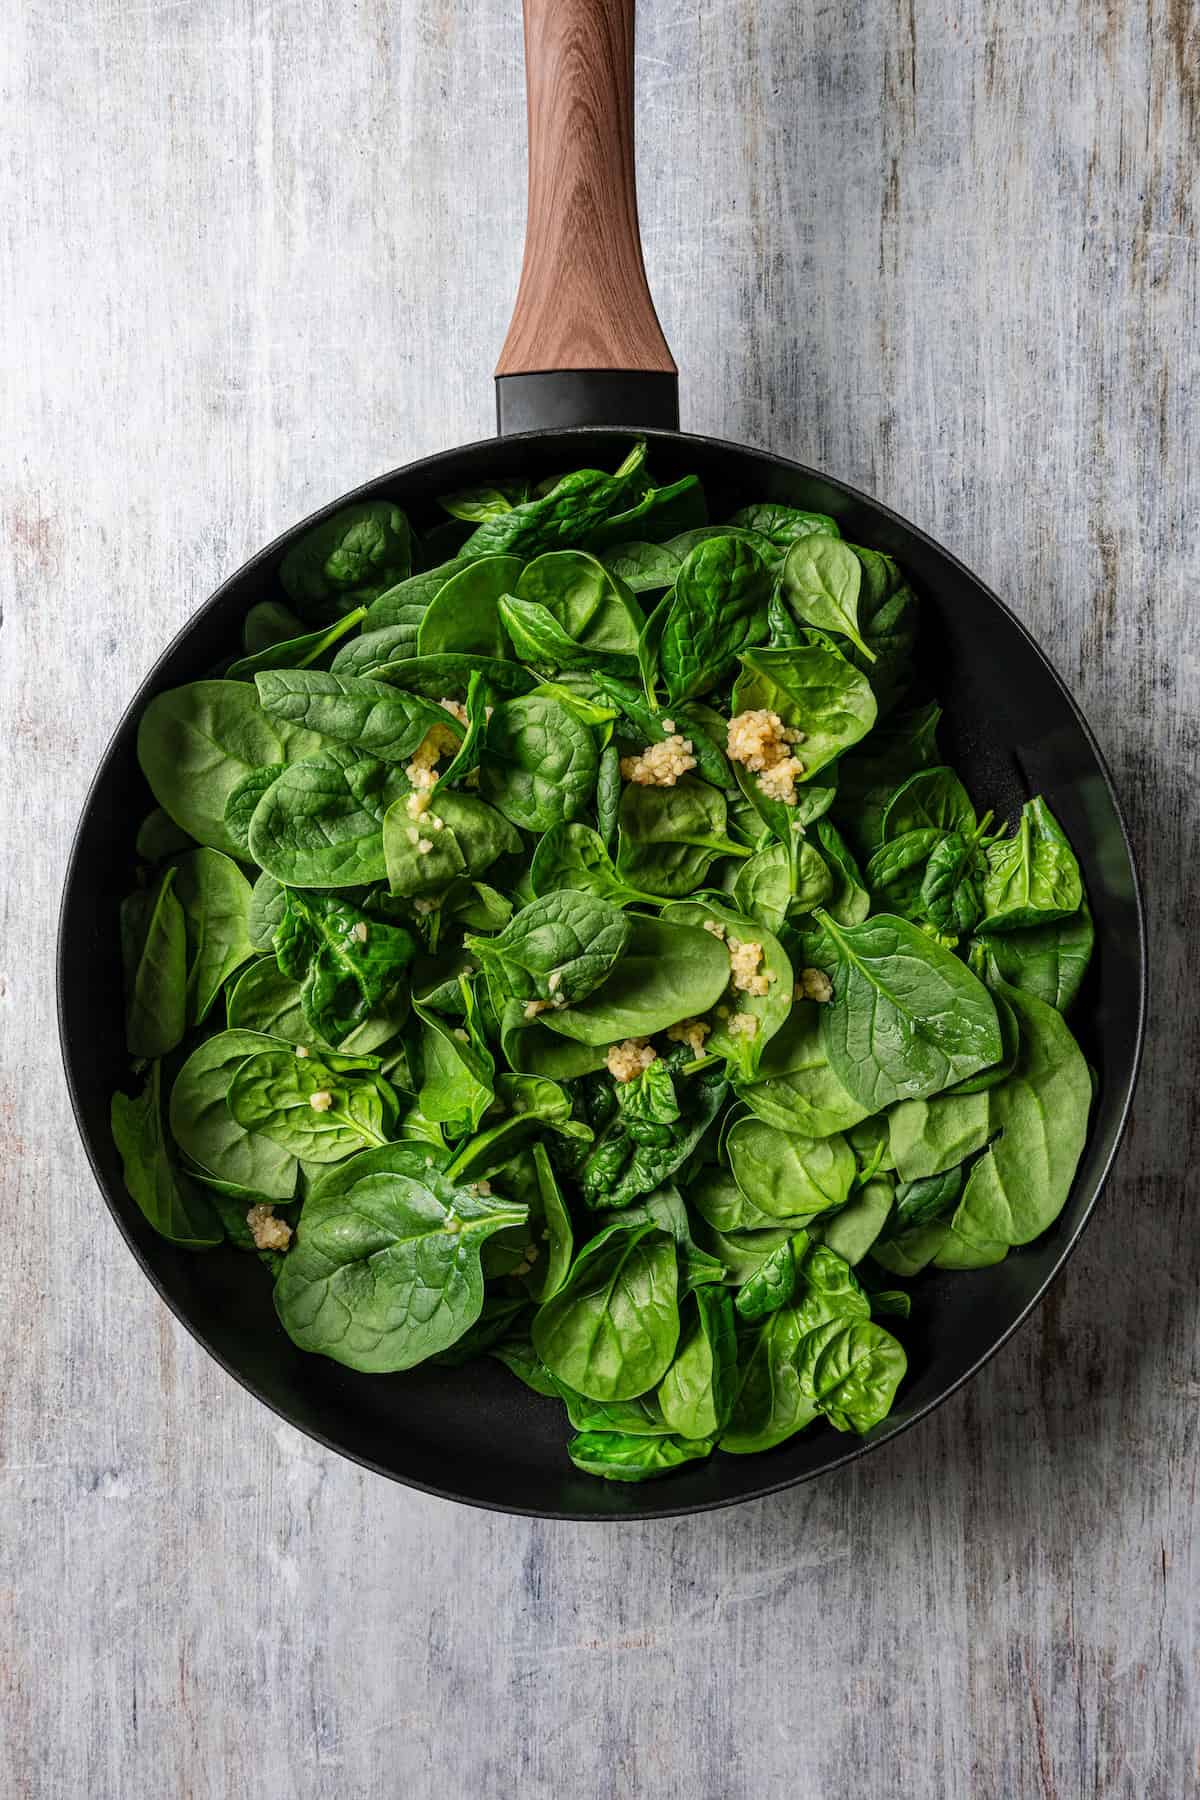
(268, 1232)
(761, 742)
(691, 1032)
(743, 1025)
(358, 932)
(715, 926)
(438, 741)
(814, 984)
(743, 961)
(321, 1101)
(627, 1061)
(660, 765)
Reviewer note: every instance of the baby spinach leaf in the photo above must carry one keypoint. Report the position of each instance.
(573, 856)
(852, 1371)
(591, 606)
(350, 557)
(398, 603)
(814, 690)
(772, 1283)
(847, 900)
(666, 1207)
(270, 622)
(472, 836)
(952, 886)
(770, 1406)
(385, 1270)
(376, 718)
(154, 953)
(567, 514)
(348, 963)
(614, 1456)
(852, 1232)
(539, 640)
(215, 897)
(557, 948)
(205, 1129)
(1037, 1121)
(820, 584)
(742, 1051)
(795, 1089)
(611, 1330)
(448, 675)
(671, 836)
(931, 800)
(659, 514)
(907, 1018)
(168, 1201)
(196, 743)
(697, 1392)
(896, 872)
(463, 619)
(310, 1108)
(457, 1071)
(926, 1137)
(1048, 961)
(784, 525)
(265, 912)
(243, 803)
(540, 763)
(372, 650)
(1033, 877)
(265, 1000)
(295, 652)
(762, 888)
(479, 503)
(638, 1154)
(608, 794)
(321, 824)
(718, 608)
(665, 973)
(643, 567)
(786, 1176)
(530, 1047)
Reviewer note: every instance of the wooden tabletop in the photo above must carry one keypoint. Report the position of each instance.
(255, 251)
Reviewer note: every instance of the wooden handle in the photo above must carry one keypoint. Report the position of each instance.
(583, 301)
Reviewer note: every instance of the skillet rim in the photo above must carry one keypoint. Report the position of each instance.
(74, 875)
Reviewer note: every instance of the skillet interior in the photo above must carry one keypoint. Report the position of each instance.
(475, 1434)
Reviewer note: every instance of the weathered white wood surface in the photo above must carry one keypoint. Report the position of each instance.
(256, 250)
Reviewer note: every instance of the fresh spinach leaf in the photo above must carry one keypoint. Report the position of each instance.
(348, 559)
(666, 973)
(372, 716)
(718, 608)
(820, 585)
(154, 953)
(196, 743)
(539, 764)
(385, 1271)
(611, 1330)
(168, 1201)
(1032, 877)
(907, 1019)
(556, 950)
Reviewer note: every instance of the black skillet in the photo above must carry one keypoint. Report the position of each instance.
(584, 355)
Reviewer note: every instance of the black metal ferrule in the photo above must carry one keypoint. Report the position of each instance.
(558, 397)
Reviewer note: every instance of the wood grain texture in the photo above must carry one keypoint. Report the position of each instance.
(583, 302)
(255, 250)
